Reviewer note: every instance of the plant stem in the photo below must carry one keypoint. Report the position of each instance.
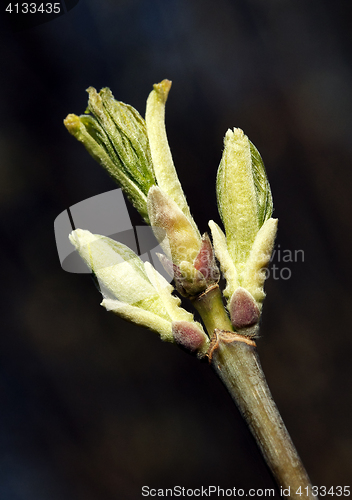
(211, 308)
(237, 364)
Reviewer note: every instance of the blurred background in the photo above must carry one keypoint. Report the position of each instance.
(93, 408)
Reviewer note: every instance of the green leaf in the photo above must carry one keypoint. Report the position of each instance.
(262, 186)
(126, 136)
(87, 130)
(115, 135)
(237, 197)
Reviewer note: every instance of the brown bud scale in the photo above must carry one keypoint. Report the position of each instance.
(243, 309)
(188, 335)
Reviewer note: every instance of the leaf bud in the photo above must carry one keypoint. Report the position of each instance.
(115, 135)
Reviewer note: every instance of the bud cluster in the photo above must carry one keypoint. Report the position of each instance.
(245, 206)
(136, 153)
(137, 292)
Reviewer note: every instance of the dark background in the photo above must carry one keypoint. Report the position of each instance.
(92, 408)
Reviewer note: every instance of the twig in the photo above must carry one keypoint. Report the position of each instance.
(236, 361)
